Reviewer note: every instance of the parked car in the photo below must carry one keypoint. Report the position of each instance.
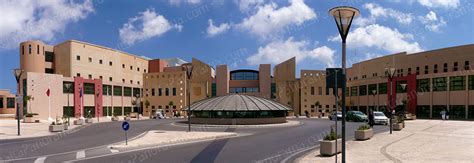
(334, 114)
(380, 118)
(356, 116)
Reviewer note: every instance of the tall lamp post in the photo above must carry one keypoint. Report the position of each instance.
(402, 112)
(68, 89)
(18, 73)
(390, 74)
(343, 16)
(189, 73)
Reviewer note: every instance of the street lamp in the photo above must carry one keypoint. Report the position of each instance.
(402, 113)
(390, 72)
(343, 16)
(189, 73)
(68, 89)
(18, 73)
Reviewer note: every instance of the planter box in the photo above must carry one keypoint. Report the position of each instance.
(78, 122)
(66, 127)
(89, 120)
(115, 118)
(328, 148)
(133, 115)
(30, 120)
(127, 118)
(56, 128)
(397, 126)
(363, 134)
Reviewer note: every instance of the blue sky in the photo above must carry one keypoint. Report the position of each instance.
(240, 33)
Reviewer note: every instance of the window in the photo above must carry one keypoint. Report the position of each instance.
(435, 70)
(174, 91)
(144, 70)
(320, 91)
(455, 67)
(123, 65)
(471, 82)
(417, 70)
(372, 89)
(362, 90)
(106, 90)
(153, 91)
(136, 92)
(89, 88)
(426, 69)
(1, 102)
(11, 102)
(138, 69)
(78, 57)
(123, 80)
(445, 67)
(117, 91)
(100, 61)
(110, 63)
(49, 57)
(327, 91)
(100, 77)
(160, 92)
(37, 49)
(127, 91)
(439, 84)
(399, 86)
(347, 91)
(131, 67)
(78, 75)
(243, 75)
(409, 71)
(457, 83)
(312, 90)
(131, 81)
(90, 76)
(71, 89)
(90, 59)
(167, 91)
(110, 78)
(383, 88)
(423, 85)
(22, 49)
(29, 49)
(49, 70)
(354, 91)
(466, 65)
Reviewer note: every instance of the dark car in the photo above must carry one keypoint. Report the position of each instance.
(356, 116)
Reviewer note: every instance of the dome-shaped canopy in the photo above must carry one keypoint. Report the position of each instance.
(238, 102)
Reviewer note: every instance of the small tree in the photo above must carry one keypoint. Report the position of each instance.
(27, 99)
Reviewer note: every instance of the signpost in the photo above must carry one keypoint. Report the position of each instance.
(125, 127)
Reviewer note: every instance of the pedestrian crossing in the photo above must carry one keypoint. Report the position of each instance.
(71, 156)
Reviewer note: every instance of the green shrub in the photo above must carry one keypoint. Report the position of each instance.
(363, 127)
(331, 135)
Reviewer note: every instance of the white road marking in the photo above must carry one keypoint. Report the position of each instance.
(80, 154)
(40, 159)
(114, 150)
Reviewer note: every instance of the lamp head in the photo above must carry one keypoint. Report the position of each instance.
(390, 72)
(189, 70)
(17, 72)
(343, 15)
(404, 85)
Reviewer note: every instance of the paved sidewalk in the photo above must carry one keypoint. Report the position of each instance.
(421, 141)
(157, 137)
(8, 128)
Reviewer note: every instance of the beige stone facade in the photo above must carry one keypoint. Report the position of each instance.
(7, 102)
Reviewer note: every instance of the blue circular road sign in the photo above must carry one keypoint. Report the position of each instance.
(125, 126)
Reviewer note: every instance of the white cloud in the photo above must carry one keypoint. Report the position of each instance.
(380, 37)
(32, 19)
(247, 5)
(279, 51)
(432, 22)
(179, 2)
(145, 26)
(447, 4)
(377, 11)
(213, 30)
(269, 20)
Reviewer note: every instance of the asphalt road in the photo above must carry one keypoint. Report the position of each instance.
(274, 144)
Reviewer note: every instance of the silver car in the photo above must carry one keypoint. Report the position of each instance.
(380, 118)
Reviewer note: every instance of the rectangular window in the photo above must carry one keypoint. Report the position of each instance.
(320, 91)
(90, 59)
(455, 67)
(457, 83)
(1, 102)
(167, 91)
(29, 49)
(10, 102)
(347, 91)
(400, 88)
(362, 90)
(174, 91)
(160, 92)
(327, 91)
(409, 71)
(49, 57)
(100, 61)
(471, 82)
(136, 92)
(417, 70)
(439, 84)
(37, 49)
(435, 69)
(106, 90)
(312, 90)
(354, 91)
(127, 91)
(71, 88)
(383, 88)
(466, 65)
(423, 85)
(23, 50)
(426, 69)
(153, 91)
(118, 91)
(89, 88)
(78, 57)
(445, 67)
(372, 89)
(49, 70)
(117, 111)
(110, 63)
